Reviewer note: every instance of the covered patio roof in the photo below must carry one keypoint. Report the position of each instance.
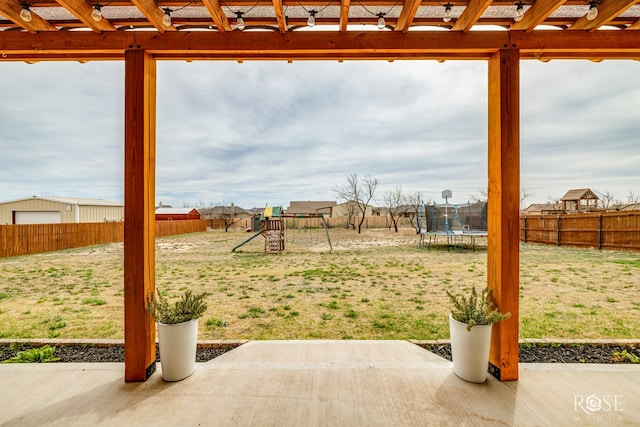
(141, 32)
(280, 29)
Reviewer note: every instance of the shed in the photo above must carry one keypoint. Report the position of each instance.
(55, 210)
(176, 214)
(580, 200)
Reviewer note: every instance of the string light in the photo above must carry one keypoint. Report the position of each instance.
(382, 24)
(447, 12)
(240, 24)
(593, 11)
(312, 18)
(166, 18)
(240, 21)
(519, 12)
(25, 13)
(96, 13)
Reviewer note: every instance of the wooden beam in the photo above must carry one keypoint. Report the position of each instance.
(470, 15)
(344, 15)
(83, 10)
(407, 14)
(503, 251)
(12, 8)
(154, 14)
(139, 214)
(536, 14)
(218, 16)
(607, 11)
(280, 16)
(308, 45)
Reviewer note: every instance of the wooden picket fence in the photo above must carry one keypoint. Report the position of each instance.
(611, 230)
(27, 239)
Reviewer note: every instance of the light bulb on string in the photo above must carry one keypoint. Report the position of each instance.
(166, 18)
(593, 11)
(96, 13)
(25, 13)
(312, 18)
(519, 12)
(447, 12)
(381, 21)
(240, 21)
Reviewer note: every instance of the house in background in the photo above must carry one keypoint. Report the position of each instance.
(57, 210)
(176, 214)
(543, 209)
(579, 200)
(312, 208)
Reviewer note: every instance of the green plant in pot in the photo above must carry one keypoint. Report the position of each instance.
(470, 323)
(177, 332)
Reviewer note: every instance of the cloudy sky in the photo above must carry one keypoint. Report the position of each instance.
(261, 133)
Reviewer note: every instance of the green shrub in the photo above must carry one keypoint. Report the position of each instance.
(189, 307)
(35, 355)
(475, 309)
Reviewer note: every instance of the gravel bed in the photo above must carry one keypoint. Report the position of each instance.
(559, 353)
(93, 354)
(529, 353)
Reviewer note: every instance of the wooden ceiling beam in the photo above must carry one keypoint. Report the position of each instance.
(325, 44)
(82, 10)
(607, 11)
(536, 14)
(407, 15)
(344, 15)
(471, 14)
(634, 26)
(11, 9)
(154, 14)
(280, 16)
(217, 14)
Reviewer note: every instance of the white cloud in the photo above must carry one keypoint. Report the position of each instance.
(269, 132)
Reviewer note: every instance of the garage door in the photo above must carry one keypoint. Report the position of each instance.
(38, 217)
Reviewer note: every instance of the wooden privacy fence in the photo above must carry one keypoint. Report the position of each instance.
(26, 239)
(612, 230)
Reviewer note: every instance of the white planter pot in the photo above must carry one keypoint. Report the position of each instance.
(178, 345)
(470, 350)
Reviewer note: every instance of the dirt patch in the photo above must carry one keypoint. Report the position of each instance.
(374, 285)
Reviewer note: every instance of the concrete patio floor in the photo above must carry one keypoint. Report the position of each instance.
(319, 383)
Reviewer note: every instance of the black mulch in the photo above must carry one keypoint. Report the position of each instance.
(529, 353)
(559, 353)
(90, 354)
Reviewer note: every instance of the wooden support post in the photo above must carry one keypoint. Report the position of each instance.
(139, 214)
(503, 252)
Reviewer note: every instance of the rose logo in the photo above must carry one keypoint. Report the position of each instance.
(593, 403)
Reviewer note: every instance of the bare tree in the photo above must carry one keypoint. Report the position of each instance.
(351, 209)
(229, 214)
(607, 198)
(414, 201)
(359, 192)
(632, 197)
(394, 202)
(483, 196)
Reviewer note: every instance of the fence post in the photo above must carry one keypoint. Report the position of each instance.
(558, 232)
(600, 231)
(525, 229)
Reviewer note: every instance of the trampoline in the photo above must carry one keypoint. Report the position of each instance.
(455, 223)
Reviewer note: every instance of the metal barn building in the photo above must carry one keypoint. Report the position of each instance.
(54, 210)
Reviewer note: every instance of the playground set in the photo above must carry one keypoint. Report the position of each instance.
(456, 223)
(271, 224)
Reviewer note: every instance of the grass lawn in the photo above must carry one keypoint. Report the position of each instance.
(378, 285)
